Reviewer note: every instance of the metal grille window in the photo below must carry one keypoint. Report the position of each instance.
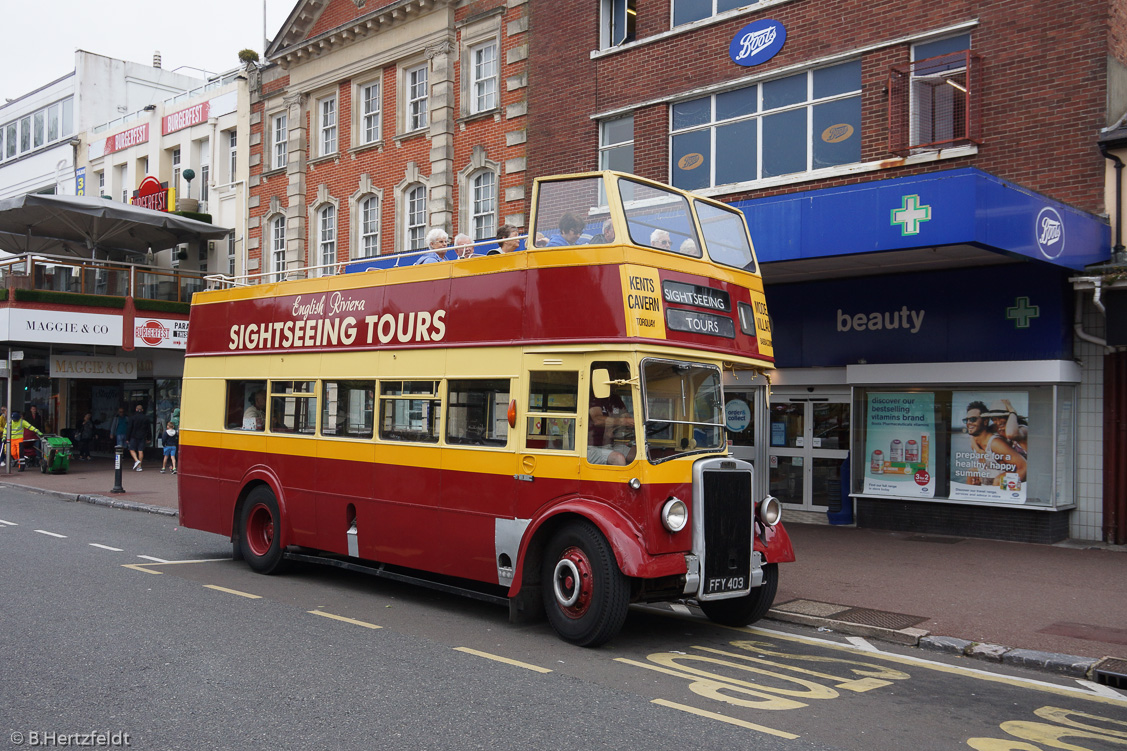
(370, 112)
(417, 98)
(616, 144)
(327, 110)
(484, 218)
(369, 227)
(415, 219)
(280, 134)
(934, 100)
(327, 238)
(484, 97)
(800, 123)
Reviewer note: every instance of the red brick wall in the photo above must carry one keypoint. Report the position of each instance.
(386, 165)
(1043, 95)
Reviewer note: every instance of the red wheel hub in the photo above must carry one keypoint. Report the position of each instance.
(573, 583)
(260, 530)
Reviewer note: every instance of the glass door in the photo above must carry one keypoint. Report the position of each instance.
(809, 447)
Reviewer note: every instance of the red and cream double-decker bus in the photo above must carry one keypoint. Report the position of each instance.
(542, 426)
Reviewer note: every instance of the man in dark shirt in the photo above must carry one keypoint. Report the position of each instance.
(138, 435)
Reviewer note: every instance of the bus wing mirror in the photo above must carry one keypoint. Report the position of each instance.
(600, 383)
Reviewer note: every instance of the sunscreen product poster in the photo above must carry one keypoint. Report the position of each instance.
(989, 445)
(899, 445)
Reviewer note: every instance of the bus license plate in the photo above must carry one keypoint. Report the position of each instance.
(726, 584)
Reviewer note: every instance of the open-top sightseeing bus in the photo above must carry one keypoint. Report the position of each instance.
(543, 427)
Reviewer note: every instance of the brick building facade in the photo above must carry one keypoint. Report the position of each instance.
(373, 123)
(933, 160)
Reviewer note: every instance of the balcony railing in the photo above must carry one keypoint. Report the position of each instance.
(85, 277)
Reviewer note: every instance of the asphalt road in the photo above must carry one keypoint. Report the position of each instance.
(117, 622)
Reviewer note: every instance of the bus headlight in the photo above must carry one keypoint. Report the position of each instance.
(674, 515)
(770, 511)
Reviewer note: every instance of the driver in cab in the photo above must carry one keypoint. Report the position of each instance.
(610, 432)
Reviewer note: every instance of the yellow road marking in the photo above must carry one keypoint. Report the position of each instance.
(506, 660)
(725, 718)
(145, 566)
(353, 621)
(233, 592)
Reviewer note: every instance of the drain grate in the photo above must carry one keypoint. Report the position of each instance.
(879, 618)
(1112, 672)
(931, 538)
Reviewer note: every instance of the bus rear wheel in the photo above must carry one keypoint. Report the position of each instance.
(586, 595)
(741, 611)
(260, 531)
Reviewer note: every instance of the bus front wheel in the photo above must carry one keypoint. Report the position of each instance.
(586, 595)
(260, 531)
(741, 611)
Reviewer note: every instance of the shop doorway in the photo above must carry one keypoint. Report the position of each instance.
(808, 449)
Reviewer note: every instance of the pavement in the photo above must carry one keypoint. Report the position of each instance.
(1059, 608)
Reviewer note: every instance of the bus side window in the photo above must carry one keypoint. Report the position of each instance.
(552, 404)
(410, 411)
(348, 408)
(293, 407)
(245, 399)
(477, 412)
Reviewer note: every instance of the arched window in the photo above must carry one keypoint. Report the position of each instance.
(278, 247)
(415, 217)
(327, 239)
(483, 217)
(370, 227)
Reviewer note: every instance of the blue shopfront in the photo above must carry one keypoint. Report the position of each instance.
(923, 331)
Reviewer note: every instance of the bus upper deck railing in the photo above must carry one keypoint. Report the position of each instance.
(88, 277)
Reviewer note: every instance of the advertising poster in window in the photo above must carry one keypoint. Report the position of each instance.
(900, 435)
(988, 455)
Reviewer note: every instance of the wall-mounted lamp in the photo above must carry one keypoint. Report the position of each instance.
(150, 107)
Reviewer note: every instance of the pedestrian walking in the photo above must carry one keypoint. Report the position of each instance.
(85, 437)
(119, 428)
(138, 435)
(171, 442)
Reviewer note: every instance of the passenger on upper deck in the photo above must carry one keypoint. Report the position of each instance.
(463, 245)
(504, 243)
(570, 228)
(607, 235)
(437, 240)
(659, 238)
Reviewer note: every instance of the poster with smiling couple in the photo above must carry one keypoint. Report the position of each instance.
(988, 456)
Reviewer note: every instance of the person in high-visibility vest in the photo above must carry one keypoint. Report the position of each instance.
(17, 426)
(3, 436)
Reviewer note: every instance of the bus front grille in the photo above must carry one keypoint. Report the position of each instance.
(727, 521)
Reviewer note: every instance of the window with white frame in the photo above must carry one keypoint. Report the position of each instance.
(231, 254)
(417, 98)
(370, 227)
(415, 217)
(123, 182)
(232, 159)
(102, 184)
(37, 129)
(483, 81)
(327, 238)
(616, 144)
(618, 22)
(176, 170)
(205, 169)
(327, 125)
(799, 123)
(278, 247)
(687, 11)
(279, 134)
(483, 218)
(370, 111)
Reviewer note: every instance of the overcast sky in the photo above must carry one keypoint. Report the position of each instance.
(40, 36)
